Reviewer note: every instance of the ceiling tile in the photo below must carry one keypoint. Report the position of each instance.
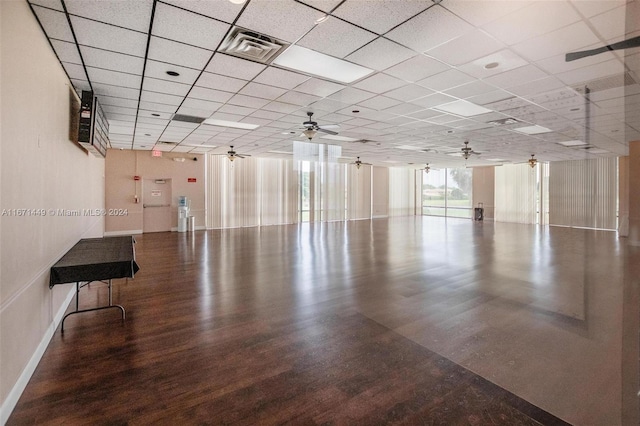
(298, 98)
(134, 15)
(216, 81)
(381, 15)
(248, 101)
(187, 27)
(280, 78)
(505, 59)
(515, 77)
(433, 100)
(237, 110)
(206, 107)
(159, 70)
(379, 102)
(322, 38)
(470, 89)
(404, 109)
(221, 10)
(445, 80)
(281, 107)
(284, 19)
(75, 71)
(51, 4)
(466, 48)
(612, 23)
(262, 91)
(409, 92)
(99, 58)
(115, 91)
(380, 54)
(319, 87)
(592, 8)
(351, 95)
(592, 72)
(108, 37)
(176, 53)
(67, 52)
(54, 23)
(160, 98)
(157, 107)
(379, 83)
(429, 29)
(210, 94)
(234, 67)
(98, 75)
(482, 12)
(571, 38)
(417, 68)
(324, 5)
(536, 19)
(125, 103)
(163, 86)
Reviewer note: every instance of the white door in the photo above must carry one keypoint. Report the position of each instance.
(156, 203)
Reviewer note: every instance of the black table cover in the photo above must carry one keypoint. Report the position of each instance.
(95, 259)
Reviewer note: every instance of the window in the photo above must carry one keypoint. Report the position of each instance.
(447, 192)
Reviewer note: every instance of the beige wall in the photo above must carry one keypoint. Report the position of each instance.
(380, 192)
(633, 171)
(122, 166)
(484, 189)
(40, 169)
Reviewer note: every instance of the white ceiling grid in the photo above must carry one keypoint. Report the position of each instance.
(434, 63)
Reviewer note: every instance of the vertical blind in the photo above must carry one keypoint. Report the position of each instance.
(250, 192)
(403, 187)
(359, 192)
(515, 193)
(583, 193)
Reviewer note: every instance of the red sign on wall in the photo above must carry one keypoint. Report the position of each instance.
(191, 180)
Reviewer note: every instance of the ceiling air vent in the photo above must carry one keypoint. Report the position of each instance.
(251, 45)
(611, 82)
(504, 121)
(188, 118)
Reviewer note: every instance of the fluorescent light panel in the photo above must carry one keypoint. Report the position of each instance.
(572, 143)
(233, 124)
(532, 130)
(339, 138)
(463, 108)
(311, 62)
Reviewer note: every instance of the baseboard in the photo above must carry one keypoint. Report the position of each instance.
(381, 216)
(15, 393)
(119, 233)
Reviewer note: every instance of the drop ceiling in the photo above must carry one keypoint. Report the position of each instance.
(440, 73)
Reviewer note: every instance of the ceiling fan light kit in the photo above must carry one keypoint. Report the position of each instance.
(532, 161)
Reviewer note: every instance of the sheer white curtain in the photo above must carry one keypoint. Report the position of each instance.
(404, 184)
(328, 186)
(583, 193)
(515, 193)
(359, 192)
(278, 189)
(250, 192)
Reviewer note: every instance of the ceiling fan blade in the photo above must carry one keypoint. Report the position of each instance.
(327, 131)
(625, 44)
(243, 155)
(329, 126)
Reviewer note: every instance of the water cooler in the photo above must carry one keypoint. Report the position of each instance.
(183, 213)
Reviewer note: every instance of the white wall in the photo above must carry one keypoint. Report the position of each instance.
(40, 169)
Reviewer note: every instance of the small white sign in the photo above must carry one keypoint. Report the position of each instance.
(156, 193)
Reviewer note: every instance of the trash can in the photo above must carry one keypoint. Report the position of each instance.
(478, 212)
(191, 223)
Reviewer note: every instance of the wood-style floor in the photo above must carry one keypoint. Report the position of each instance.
(400, 321)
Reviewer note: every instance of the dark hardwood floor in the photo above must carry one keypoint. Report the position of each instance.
(399, 321)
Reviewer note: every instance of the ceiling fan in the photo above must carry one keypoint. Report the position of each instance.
(311, 127)
(532, 161)
(625, 44)
(359, 163)
(232, 155)
(427, 168)
(467, 151)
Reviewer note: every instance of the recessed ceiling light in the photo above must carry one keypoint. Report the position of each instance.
(155, 114)
(355, 111)
(598, 151)
(234, 124)
(574, 109)
(237, 1)
(173, 73)
(491, 65)
(463, 108)
(532, 130)
(147, 134)
(572, 143)
(311, 62)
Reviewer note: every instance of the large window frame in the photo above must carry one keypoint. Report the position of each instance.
(448, 192)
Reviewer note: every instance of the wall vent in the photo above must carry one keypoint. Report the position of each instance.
(606, 83)
(188, 118)
(250, 45)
